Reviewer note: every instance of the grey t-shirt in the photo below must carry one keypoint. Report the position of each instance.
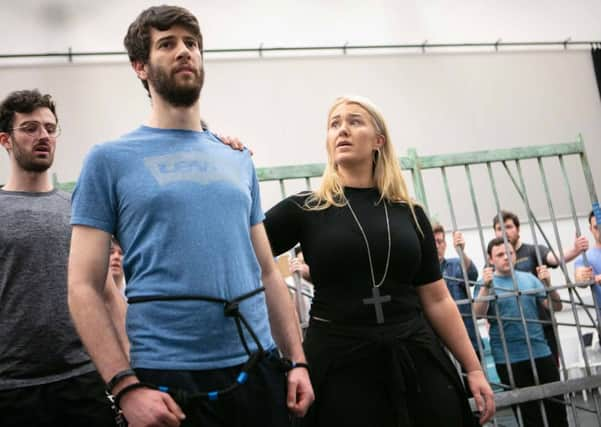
(38, 342)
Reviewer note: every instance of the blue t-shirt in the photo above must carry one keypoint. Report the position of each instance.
(594, 259)
(515, 336)
(453, 275)
(181, 205)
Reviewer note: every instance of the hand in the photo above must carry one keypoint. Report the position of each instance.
(296, 264)
(487, 276)
(580, 244)
(300, 392)
(543, 274)
(483, 395)
(144, 407)
(233, 142)
(458, 240)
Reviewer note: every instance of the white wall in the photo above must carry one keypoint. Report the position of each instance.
(438, 102)
(39, 25)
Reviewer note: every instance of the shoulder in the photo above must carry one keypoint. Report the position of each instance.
(290, 207)
(453, 261)
(527, 278)
(298, 200)
(64, 195)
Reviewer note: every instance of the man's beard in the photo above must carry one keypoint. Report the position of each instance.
(178, 95)
(29, 163)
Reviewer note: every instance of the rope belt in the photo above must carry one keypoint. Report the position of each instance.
(231, 308)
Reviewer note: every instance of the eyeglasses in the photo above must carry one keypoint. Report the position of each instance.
(34, 129)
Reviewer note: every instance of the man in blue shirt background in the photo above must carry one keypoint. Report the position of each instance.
(452, 273)
(521, 343)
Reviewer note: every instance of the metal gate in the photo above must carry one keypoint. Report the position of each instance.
(481, 179)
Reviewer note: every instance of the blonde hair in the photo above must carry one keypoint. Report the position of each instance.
(387, 171)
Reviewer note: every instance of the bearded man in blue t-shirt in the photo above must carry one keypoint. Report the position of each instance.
(186, 210)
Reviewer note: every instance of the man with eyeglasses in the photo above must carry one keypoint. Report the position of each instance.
(46, 377)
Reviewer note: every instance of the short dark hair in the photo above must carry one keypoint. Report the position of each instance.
(494, 242)
(437, 228)
(506, 215)
(590, 217)
(23, 101)
(137, 39)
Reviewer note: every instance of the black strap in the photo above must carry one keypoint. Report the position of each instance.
(231, 308)
(118, 377)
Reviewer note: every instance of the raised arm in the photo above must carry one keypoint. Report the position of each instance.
(544, 276)
(580, 246)
(481, 307)
(284, 323)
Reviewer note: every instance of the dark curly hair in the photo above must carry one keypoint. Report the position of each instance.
(137, 39)
(506, 215)
(23, 101)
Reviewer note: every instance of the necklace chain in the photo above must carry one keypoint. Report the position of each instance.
(371, 264)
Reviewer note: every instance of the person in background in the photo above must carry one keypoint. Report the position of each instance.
(526, 260)
(499, 278)
(452, 273)
(46, 377)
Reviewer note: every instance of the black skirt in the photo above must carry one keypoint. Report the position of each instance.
(384, 376)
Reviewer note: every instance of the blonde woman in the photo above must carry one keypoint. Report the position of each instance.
(373, 356)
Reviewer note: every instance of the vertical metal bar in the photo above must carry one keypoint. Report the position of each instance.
(464, 268)
(418, 180)
(516, 290)
(549, 301)
(308, 183)
(476, 212)
(566, 181)
(588, 177)
(282, 188)
(299, 301)
(578, 233)
(484, 254)
(575, 313)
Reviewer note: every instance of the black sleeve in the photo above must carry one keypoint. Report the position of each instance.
(429, 270)
(544, 252)
(283, 223)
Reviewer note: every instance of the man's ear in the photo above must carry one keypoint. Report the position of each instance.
(5, 140)
(140, 69)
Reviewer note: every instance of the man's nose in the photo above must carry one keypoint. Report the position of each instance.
(183, 51)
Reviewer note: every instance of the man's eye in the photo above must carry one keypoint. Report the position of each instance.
(30, 128)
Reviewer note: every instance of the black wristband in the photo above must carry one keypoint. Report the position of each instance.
(299, 365)
(129, 388)
(118, 377)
